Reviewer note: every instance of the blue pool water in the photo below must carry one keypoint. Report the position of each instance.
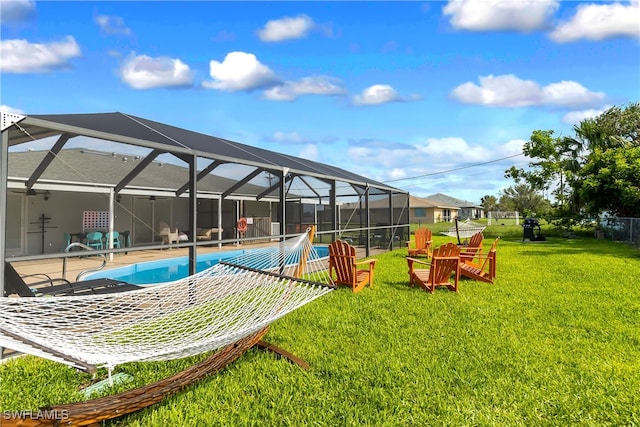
(167, 270)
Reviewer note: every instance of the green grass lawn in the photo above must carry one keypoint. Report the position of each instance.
(555, 341)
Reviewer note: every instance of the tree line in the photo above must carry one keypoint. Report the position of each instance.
(593, 172)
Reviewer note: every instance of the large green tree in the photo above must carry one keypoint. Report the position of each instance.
(611, 182)
(595, 170)
(489, 203)
(524, 199)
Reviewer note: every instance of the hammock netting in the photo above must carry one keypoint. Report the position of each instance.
(199, 313)
(464, 230)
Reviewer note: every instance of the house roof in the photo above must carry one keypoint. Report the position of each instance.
(397, 201)
(86, 167)
(422, 202)
(445, 199)
(163, 138)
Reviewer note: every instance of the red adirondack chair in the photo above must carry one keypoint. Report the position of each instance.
(473, 247)
(422, 243)
(445, 262)
(484, 269)
(344, 268)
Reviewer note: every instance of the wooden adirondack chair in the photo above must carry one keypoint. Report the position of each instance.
(444, 262)
(342, 262)
(474, 247)
(423, 243)
(483, 270)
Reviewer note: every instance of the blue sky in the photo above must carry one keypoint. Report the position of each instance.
(424, 96)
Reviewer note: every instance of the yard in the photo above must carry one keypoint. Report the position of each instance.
(555, 341)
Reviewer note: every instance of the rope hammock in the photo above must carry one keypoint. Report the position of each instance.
(209, 310)
(464, 229)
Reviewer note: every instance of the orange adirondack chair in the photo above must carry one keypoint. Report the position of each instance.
(342, 262)
(474, 247)
(423, 243)
(444, 262)
(483, 270)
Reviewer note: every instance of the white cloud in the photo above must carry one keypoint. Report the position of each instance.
(286, 29)
(429, 165)
(310, 152)
(443, 162)
(16, 10)
(433, 160)
(569, 93)
(377, 94)
(506, 91)
(454, 148)
(500, 15)
(314, 85)
(575, 117)
(7, 109)
(288, 138)
(22, 57)
(144, 72)
(397, 173)
(511, 148)
(240, 71)
(511, 91)
(112, 25)
(600, 22)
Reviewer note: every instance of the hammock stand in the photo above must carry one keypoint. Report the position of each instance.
(93, 412)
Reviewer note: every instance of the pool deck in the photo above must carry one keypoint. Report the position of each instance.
(53, 267)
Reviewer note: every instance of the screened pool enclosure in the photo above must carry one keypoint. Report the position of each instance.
(65, 175)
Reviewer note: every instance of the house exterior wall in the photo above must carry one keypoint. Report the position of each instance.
(431, 215)
(139, 215)
(421, 215)
(63, 213)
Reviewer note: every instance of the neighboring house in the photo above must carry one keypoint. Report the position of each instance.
(380, 214)
(423, 210)
(466, 209)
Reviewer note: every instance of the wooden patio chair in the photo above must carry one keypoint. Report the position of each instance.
(484, 269)
(349, 272)
(444, 263)
(473, 247)
(422, 243)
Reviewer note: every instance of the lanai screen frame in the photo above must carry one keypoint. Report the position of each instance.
(190, 146)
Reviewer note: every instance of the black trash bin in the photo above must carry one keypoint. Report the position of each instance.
(528, 230)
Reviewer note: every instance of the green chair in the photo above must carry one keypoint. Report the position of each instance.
(116, 239)
(94, 240)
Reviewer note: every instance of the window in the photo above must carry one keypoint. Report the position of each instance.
(420, 212)
(446, 214)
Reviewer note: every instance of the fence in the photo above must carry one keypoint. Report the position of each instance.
(620, 229)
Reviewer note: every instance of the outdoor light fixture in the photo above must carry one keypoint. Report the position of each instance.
(31, 193)
(47, 194)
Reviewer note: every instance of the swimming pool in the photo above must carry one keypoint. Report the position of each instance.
(167, 270)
